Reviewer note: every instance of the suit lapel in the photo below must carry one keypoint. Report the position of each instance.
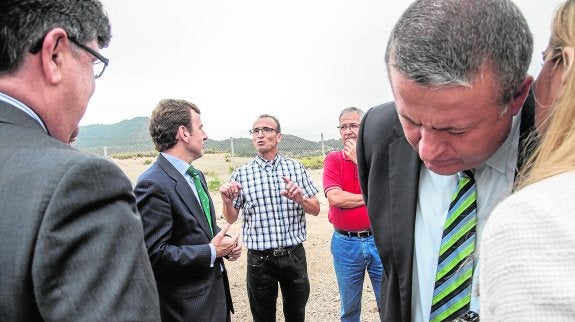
(404, 181)
(186, 194)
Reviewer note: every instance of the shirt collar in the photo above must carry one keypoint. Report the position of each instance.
(179, 164)
(263, 162)
(21, 106)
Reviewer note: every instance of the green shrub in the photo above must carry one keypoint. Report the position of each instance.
(312, 162)
(214, 184)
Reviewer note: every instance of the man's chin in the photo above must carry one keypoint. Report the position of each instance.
(444, 169)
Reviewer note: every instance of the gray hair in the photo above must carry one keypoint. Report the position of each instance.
(351, 110)
(447, 42)
(279, 128)
(25, 23)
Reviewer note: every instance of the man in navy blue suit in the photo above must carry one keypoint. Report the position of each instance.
(185, 246)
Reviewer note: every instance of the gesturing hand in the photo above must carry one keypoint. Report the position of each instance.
(292, 191)
(230, 191)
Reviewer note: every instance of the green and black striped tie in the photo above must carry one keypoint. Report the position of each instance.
(452, 293)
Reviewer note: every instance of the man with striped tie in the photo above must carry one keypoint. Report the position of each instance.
(434, 163)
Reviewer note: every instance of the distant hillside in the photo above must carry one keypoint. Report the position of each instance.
(131, 136)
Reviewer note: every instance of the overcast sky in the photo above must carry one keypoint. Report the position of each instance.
(300, 60)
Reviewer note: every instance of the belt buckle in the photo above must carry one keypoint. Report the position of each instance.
(279, 252)
(365, 233)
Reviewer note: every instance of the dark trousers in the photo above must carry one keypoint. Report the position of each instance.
(265, 272)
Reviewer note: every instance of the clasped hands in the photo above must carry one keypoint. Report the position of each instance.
(227, 246)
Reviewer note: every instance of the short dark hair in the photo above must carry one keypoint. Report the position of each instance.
(167, 118)
(447, 42)
(278, 126)
(25, 23)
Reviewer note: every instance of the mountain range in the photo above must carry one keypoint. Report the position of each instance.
(131, 136)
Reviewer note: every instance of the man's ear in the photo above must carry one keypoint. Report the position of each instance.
(568, 54)
(182, 134)
(520, 95)
(54, 53)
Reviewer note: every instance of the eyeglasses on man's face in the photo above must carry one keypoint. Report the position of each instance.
(265, 130)
(350, 126)
(100, 63)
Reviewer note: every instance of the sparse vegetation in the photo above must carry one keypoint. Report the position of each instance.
(135, 155)
(214, 183)
(312, 162)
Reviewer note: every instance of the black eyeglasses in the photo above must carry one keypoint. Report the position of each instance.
(100, 64)
(351, 126)
(265, 130)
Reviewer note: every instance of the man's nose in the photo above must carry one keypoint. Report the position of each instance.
(430, 144)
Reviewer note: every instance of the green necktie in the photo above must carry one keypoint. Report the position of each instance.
(204, 199)
(452, 293)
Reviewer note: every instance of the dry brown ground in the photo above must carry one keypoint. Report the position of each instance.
(323, 304)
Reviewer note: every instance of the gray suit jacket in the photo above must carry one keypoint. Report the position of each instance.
(389, 176)
(72, 243)
(178, 235)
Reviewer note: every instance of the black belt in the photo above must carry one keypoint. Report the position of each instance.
(277, 252)
(361, 234)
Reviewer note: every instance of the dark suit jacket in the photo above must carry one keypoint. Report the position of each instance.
(72, 242)
(177, 235)
(389, 175)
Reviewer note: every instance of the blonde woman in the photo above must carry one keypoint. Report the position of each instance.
(528, 247)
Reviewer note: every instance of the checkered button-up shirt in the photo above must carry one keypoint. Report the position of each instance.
(272, 220)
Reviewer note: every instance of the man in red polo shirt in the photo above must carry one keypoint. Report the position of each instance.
(352, 244)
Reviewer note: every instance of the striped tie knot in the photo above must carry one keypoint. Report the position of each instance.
(452, 292)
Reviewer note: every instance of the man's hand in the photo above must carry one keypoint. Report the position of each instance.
(236, 252)
(224, 244)
(230, 191)
(349, 150)
(292, 191)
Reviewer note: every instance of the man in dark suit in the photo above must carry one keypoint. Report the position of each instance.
(184, 243)
(72, 242)
(458, 76)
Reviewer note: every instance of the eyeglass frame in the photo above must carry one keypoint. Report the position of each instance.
(96, 54)
(265, 130)
(350, 126)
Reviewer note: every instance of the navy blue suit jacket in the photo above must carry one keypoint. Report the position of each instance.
(177, 236)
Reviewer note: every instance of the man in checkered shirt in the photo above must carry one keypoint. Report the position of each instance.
(274, 194)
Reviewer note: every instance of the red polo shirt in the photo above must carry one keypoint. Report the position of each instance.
(340, 172)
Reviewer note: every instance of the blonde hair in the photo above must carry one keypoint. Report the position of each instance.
(555, 152)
